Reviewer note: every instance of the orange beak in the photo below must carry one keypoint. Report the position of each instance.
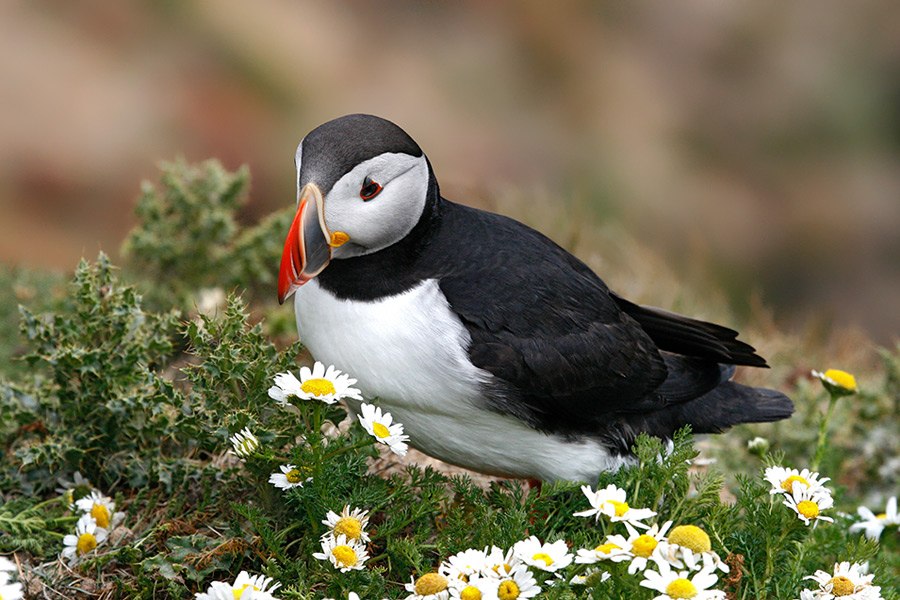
(307, 249)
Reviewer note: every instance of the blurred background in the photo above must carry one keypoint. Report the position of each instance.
(754, 143)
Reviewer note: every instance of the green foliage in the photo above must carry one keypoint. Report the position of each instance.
(39, 289)
(93, 397)
(144, 404)
(188, 237)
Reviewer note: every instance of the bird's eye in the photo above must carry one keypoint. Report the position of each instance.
(369, 189)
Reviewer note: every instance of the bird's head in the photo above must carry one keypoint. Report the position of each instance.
(362, 185)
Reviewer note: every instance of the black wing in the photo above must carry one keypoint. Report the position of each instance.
(566, 351)
(546, 326)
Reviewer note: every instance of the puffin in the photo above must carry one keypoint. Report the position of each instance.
(498, 350)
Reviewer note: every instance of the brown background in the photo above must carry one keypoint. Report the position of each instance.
(755, 141)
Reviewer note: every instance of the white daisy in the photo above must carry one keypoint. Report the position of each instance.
(244, 443)
(85, 540)
(245, 587)
(644, 544)
(10, 591)
(463, 565)
(837, 382)
(498, 563)
(847, 582)
(874, 524)
(809, 506)
(688, 546)
(616, 548)
(519, 584)
(290, 476)
(476, 587)
(350, 523)
(379, 426)
(7, 565)
(610, 501)
(674, 585)
(546, 557)
(430, 586)
(102, 509)
(343, 553)
(783, 480)
(327, 385)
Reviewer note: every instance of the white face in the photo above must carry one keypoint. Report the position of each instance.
(387, 217)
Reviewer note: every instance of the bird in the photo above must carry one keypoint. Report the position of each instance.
(498, 350)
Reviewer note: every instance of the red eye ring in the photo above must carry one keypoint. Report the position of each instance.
(369, 189)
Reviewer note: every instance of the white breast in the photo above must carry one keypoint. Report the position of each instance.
(409, 351)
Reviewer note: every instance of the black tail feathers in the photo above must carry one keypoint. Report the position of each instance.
(731, 404)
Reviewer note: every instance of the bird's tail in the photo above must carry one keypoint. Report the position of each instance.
(731, 404)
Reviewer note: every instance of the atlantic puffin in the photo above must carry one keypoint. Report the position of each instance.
(497, 350)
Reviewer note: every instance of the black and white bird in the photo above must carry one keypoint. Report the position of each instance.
(495, 348)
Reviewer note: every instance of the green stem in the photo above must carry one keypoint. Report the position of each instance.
(822, 441)
(334, 453)
(46, 502)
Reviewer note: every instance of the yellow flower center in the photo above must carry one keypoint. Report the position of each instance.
(841, 586)
(317, 387)
(350, 527)
(86, 543)
(101, 515)
(644, 545)
(691, 537)
(808, 509)
(506, 568)
(607, 548)
(470, 592)
(238, 592)
(430, 583)
(294, 476)
(841, 378)
(508, 590)
(787, 484)
(544, 557)
(881, 516)
(380, 430)
(681, 588)
(621, 507)
(345, 556)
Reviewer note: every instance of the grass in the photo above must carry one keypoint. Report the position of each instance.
(138, 386)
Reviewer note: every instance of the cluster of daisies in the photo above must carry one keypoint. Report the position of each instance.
(328, 386)
(97, 518)
(804, 492)
(344, 544)
(9, 590)
(676, 562)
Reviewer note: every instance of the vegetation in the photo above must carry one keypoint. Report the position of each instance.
(140, 395)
